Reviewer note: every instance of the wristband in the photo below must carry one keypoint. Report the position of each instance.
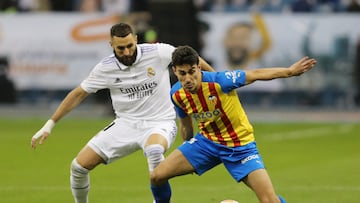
(46, 128)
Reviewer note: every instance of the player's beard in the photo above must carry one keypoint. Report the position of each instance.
(127, 60)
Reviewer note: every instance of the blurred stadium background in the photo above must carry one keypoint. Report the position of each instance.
(48, 46)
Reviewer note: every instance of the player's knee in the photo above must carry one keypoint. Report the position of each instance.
(77, 170)
(154, 154)
(79, 177)
(156, 178)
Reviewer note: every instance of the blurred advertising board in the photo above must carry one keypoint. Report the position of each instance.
(53, 51)
(252, 40)
(57, 50)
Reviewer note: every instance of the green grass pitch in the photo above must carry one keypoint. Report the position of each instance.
(308, 162)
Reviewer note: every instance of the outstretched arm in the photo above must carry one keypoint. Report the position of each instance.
(298, 68)
(72, 100)
(186, 128)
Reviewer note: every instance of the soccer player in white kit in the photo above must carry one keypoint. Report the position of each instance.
(137, 76)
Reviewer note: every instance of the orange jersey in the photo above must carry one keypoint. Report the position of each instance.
(216, 108)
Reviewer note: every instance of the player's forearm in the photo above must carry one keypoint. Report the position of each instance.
(72, 100)
(273, 73)
(186, 128)
(186, 133)
(267, 74)
(205, 66)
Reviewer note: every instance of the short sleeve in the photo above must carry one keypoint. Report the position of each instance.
(165, 52)
(230, 80)
(95, 81)
(180, 112)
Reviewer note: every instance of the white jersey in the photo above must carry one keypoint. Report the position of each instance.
(140, 91)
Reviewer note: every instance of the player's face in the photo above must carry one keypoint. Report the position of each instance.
(189, 77)
(125, 48)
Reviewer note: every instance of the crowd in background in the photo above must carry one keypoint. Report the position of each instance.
(279, 5)
(118, 6)
(125, 6)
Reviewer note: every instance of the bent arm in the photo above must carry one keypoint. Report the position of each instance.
(72, 100)
(205, 66)
(298, 68)
(186, 128)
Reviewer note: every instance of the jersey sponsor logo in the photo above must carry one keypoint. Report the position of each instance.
(139, 88)
(151, 72)
(251, 157)
(139, 91)
(207, 115)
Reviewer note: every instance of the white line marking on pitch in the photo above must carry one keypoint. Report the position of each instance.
(323, 187)
(310, 132)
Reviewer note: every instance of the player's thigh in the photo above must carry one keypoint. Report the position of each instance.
(88, 158)
(161, 132)
(201, 153)
(260, 182)
(241, 161)
(175, 164)
(157, 139)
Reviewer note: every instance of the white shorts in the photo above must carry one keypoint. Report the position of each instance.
(123, 137)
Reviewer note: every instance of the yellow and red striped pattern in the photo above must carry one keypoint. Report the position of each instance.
(219, 115)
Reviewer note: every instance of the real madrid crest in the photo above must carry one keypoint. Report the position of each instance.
(151, 72)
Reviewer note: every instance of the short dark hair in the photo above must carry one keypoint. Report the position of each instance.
(185, 55)
(121, 30)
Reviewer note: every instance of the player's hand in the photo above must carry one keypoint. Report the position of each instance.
(302, 66)
(43, 133)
